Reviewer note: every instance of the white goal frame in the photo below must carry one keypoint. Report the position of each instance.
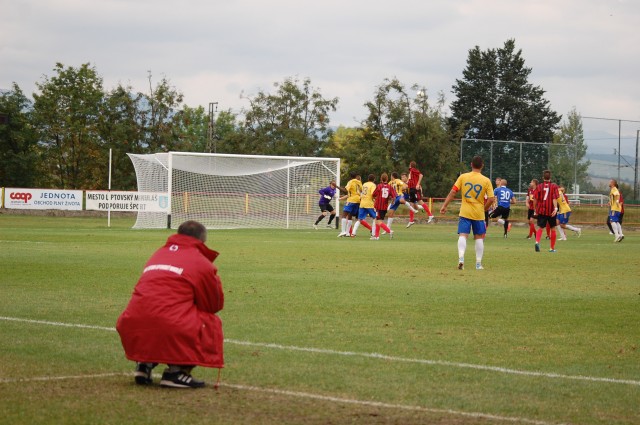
(260, 191)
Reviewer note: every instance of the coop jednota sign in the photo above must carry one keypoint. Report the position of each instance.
(42, 199)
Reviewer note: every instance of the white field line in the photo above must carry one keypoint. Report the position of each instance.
(438, 363)
(373, 356)
(299, 394)
(379, 404)
(62, 378)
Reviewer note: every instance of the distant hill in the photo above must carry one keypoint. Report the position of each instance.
(605, 167)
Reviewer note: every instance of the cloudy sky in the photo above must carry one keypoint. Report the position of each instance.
(583, 53)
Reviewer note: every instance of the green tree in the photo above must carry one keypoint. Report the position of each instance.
(413, 129)
(230, 135)
(292, 121)
(157, 119)
(191, 128)
(495, 101)
(122, 132)
(566, 159)
(66, 114)
(17, 140)
(360, 150)
(137, 122)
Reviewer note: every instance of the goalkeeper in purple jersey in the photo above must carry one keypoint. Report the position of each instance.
(326, 196)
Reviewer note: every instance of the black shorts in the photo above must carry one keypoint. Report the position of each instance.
(326, 207)
(530, 214)
(544, 219)
(413, 195)
(501, 212)
(380, 214)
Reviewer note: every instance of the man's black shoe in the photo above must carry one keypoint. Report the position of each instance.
(143, 373)
(180, 380)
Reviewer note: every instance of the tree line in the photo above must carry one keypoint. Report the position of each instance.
(61, 137)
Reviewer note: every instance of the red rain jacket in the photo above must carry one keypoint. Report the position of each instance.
(171, 315)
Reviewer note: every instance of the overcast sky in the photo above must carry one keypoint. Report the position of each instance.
(583, 53)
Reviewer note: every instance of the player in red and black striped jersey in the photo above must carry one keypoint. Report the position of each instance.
(415, 193)
(545, 202)
(382, 196)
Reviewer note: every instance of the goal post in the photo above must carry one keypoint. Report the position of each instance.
(224, 191)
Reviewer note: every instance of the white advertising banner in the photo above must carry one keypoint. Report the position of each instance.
(102, 200)
(42, 199)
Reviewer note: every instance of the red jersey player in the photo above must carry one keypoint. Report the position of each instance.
(383, 194)
(545, 201)
(414, 184)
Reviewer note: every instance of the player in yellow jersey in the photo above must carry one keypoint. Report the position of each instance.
(615, 209)
(350, 210)
(366, 205)
(473, 187)
(564, 212)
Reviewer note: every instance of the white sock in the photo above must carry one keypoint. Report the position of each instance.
(389, 221)
(462, 247)
(501, 221)
(355, 227)
(411, 208)
(561, 230)
(479, 250)
(420, 207)
(570, 227)
(614, 226)
(617, 228)
(343, 225)
(349, 224)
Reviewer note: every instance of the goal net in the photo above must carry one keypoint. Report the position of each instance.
(224, 191)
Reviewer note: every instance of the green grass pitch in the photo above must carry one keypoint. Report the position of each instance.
(324, 330)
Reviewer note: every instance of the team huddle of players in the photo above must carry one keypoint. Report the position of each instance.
(364, 200)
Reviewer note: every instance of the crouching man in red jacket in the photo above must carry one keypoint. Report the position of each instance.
(171, 317)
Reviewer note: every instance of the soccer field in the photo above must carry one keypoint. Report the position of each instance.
(326, 330)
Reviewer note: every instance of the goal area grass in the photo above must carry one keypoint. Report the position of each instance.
(320, 329)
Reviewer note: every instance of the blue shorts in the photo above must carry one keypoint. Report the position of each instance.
(396, 203)
(351, 208)
(614, 216)
(366, 212)
(465, 226)
(564, 218)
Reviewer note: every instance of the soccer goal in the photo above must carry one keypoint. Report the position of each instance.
(225, 191)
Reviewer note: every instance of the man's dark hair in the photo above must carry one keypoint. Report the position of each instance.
(477, 162)
(372, 177)
(194, 229)
(394, 175)
(546, 175)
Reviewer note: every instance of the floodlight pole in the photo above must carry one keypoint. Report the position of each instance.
(635, 176)
(213, 108)
(619, 146)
